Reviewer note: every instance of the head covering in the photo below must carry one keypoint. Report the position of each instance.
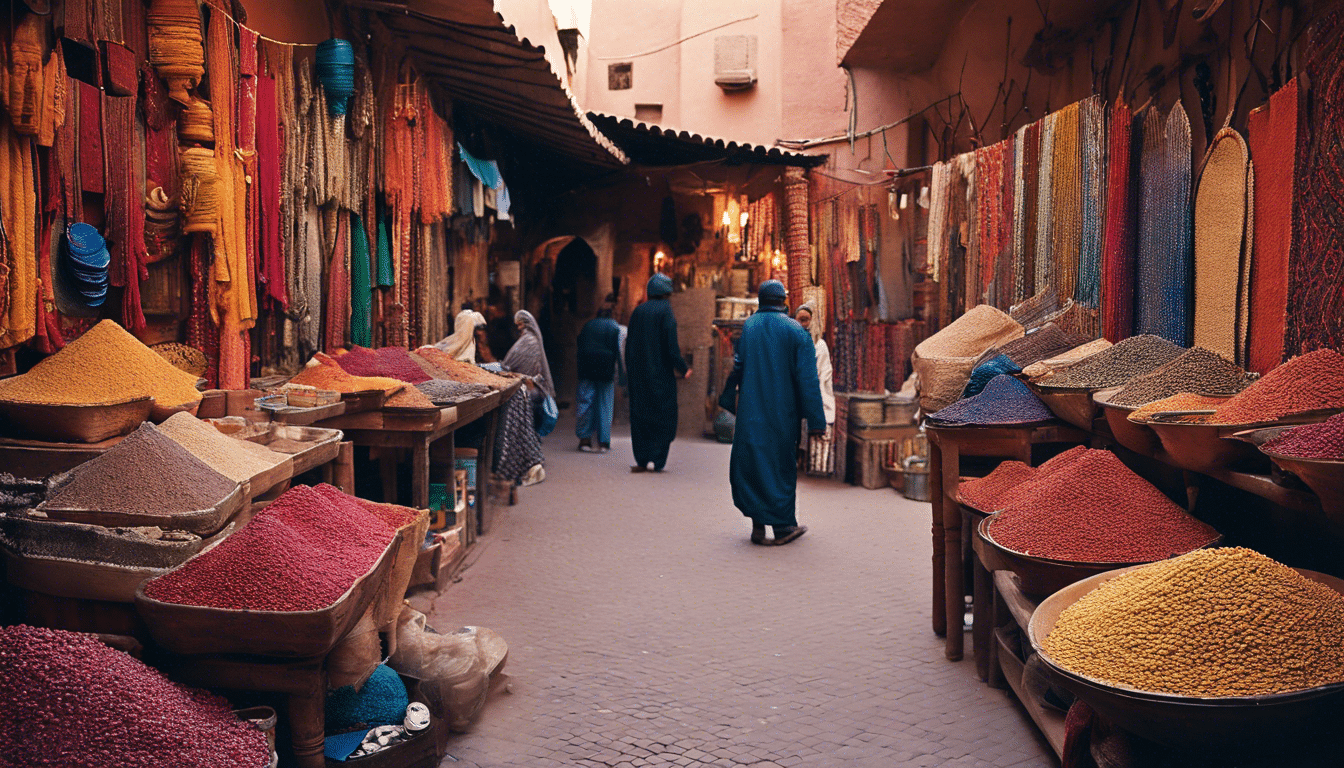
(772, 290)
(528, 354)
(461, 345)
(814, 327)
(659, 285)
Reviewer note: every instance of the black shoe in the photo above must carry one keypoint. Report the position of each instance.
(788, 534)
(605, 447)
(586, 444)
(758, 534)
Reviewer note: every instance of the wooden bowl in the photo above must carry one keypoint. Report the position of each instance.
(75, 423)
(202, 522)
(195, 629)
(1325, 477)
(161, 413)
(1040, 576)
(1072, 404)
(1225, 725)
(1214, 447)
(1139, 438)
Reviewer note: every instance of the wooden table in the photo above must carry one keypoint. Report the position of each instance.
(416, 432)
(946, 447)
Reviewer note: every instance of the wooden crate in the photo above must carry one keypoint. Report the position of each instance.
(870, 459)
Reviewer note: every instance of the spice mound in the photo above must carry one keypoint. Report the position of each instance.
(1094, 509)
(322, 372)
(447, 392)
(986, 371)
(237, 460)
(392, 362)
(441, 365)
(1311, 382)
(1196, 370)
(395, 515)
(1182, 402)
(1311, 441)
(1217, 622)
(145, 473)
(1117, 364)
(106, 365)
(983, 493)
(1046, 367)
(72, 701)
(301, 553)
(1005, 400)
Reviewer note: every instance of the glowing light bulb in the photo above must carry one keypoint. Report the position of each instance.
(727, 220)
(743, 221)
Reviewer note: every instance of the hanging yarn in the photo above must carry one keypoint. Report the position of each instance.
(1044, 264)
(1066, 203)
(18, 196)
(1117, 288)
(1017, 256)
(1164, 267)
(175, 47)
(1092, 144)
(200, 190)
(28, 86)
(196, 122)
(336, 72)
(361, 289)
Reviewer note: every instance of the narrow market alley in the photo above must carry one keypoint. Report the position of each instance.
(645, 629)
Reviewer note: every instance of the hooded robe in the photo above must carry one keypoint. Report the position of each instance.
(653, 362)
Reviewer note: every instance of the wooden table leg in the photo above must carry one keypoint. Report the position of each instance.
(954, 590)
(936, 496)
(982, 609)
(307, 727)
(387, 465)
(420, 473)
(343, 469)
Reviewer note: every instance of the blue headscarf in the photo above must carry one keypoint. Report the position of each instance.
(659, 285)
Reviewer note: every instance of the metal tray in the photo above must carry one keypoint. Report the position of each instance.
(1040, 576)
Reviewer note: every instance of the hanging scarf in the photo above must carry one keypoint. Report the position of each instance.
(270, 193)
(1092, 144)
(361, 291)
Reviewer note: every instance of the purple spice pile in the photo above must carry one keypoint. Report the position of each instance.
(1005, 400)
(1311, 441)
(72, 701)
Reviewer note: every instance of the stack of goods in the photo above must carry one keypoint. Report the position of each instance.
(87, 262)
(1005, 400)
(104, 366)
(1044, 343)
(1117, 364)
(1197, 370)
(1312, 382)
(1184, 402)
(440, 365)
(392, 362)
(1043, 368)
(986, 371)
(449, 392)
(944, 361)
(145, 474)
(1089, 507)
(1212, 623)
(238, 460)
(71, 700)
(322, 372)
(1312, 441)
(301, 553)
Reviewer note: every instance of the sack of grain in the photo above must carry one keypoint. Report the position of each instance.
(944, 361)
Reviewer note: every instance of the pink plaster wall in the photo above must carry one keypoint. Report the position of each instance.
(852, 16)
(619, 28)
(812, 86)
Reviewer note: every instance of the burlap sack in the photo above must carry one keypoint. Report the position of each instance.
(1043, 369)
(944, 361)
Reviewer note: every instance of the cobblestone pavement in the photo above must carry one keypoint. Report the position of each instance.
(645, 629)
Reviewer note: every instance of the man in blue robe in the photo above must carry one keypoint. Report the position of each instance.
(775, 370)
(653, 362)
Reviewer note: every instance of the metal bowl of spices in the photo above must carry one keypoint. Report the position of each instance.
(1321, 473)
(1224, 725)
(1201, 446)
(74, 423)
(1039, 576)
(1137, 437)
(1072, 404)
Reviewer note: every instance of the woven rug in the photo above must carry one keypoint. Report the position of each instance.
(1044, 265)
(1030, 214)
(994, 201)
(1316, 271)
(1221, 207)
(1164, 264)
(1272, 133)
(1117, 274)
(1066, 177)
(1092, 144)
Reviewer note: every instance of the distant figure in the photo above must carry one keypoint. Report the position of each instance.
(461, 345)
(824, 373)
(528, 356)
(776, 373)
(599, 364)
(652, 363)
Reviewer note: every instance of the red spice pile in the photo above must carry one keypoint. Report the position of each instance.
(69, 700)
(983, 493)
(395, 515)
(1094, 509)
(1311, 441)
(1311, 382)
(323, 372)
(393, 362)
(301, 553)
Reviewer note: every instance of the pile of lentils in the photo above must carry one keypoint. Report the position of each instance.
(1041, 344)
(1197, 370)
(1117, 364)
(395, 515)
(1048, 365)
(1094, 509)
(983, 492)
(1311, 441)
(145, 473)
(301, 553)
(322, 372)
(106, 365)
(1311, 382)
(72, 701)
(392, 362)
(441, 365)
(446, 392)
(1183, 402)
(1005, 400)
(1216, 622)
(237, 460)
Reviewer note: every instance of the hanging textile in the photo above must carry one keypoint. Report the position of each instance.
(361, 289)
(1316, 277)
(175, 45)
(995, 207)
(384, 255)
(1273, 136)
(795, 233)
(1222, 247)
(124, 207)
(1066, 202)
(337, 297)
(1163, 268)
(90, 138)
(270, 171)
(1092, 144)
(1117, 288)
(1025, 245)
(937, 232)
(18, 261)
(1045, 198)
(969, 232)
(31, 89)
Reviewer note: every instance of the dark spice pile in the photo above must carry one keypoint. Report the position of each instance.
(1041, 344)
(146, 472)
(1197, 370)
(72, 701)
(301, 553)
(446, 392)
(983, 492)
(1311, 382)
(985, 373)
(1117, 364)
(1094, 509)
(392, 362)
(1311, 441)
(1005, 400)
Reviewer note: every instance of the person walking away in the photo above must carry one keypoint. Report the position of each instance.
(824, 373)
(776, 371)
(528, 357)
(461, 345)
(599, 363)
(652, 363)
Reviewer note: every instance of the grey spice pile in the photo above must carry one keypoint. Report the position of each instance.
(447, 392)
(1198, 370)
(1118, 364)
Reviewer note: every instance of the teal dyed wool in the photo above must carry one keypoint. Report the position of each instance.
(986, 371)
(382, 701)
(361, 291)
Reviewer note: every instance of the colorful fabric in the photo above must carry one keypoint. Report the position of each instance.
(1092, 145)
(1164, 265)
(1273, 136)
(361, 289)
(1066, 203)
(1117, 288)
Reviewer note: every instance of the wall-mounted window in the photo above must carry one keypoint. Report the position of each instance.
(649, 113)
(620, 76)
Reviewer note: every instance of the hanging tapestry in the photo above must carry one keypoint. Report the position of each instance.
(1066, 203)
(1164, 264)
(1272, 133)
(1043, 263)
(1222, 248)
(1092, 144)
(1117, 276)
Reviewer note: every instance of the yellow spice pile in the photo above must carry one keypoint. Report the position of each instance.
(1215, 622)
(106, 365)
(235, 459)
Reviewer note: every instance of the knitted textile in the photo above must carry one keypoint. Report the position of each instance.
(1045, 200)
(1222, 252)
(1164, 265)
(995, 204)
(1272, 133)
(1066, 190)
(1092, 144)
(1316, 276)
(1030, 213)
(1117, 275)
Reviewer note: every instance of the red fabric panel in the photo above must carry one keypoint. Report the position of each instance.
(1272, 136)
